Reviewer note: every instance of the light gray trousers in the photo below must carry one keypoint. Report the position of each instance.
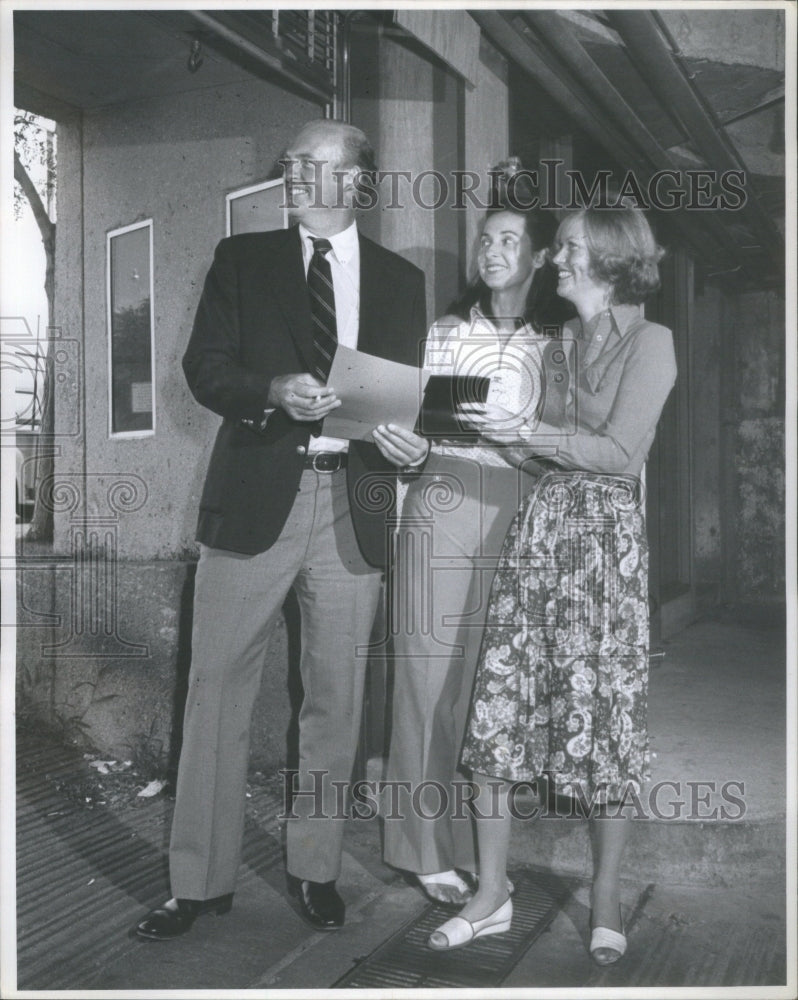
(236, 601)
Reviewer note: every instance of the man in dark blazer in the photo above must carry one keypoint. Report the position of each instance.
(284, 506)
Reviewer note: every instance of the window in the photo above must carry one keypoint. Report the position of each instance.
(130, 331)
(257, 209)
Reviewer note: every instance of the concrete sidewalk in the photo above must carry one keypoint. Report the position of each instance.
(704, 899)
(717, 724)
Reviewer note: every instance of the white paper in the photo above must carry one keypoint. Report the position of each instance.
(372, 391)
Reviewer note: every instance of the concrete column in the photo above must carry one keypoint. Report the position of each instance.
(392, 100)
(486, 131)
(68, 321)
(423, 116)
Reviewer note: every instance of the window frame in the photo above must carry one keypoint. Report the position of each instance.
(110, 235)
(242, 193)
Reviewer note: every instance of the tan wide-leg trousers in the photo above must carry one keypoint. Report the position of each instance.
(454, 520)
(236, 600)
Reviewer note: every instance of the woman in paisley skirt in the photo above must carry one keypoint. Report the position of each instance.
(560, 688)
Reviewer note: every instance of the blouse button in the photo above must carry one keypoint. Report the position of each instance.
(301, 449)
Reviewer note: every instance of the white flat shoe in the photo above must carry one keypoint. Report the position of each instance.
(458, 931)
(606, 946)
(446, 881)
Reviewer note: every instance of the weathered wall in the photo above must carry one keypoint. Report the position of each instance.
(118, 680)
(172, 160)
(748, 38)
(708, 310)
(738, 444)
(70, 395)
(759, 330)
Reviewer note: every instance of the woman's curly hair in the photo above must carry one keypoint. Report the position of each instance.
(623, 251)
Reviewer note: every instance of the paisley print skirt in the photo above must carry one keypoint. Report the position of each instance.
(562, 681)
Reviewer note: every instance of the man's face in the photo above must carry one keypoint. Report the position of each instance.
(310, 161)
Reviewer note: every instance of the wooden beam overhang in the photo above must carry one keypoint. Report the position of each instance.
(546, 47)
(658, 65)
(253, 41)
(257, 46)
(559, 37)
(510, 33)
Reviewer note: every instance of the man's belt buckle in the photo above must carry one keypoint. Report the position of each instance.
(325, 461)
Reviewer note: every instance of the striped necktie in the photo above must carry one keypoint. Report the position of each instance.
(322, 308)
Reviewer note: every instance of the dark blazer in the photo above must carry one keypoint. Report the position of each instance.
(253, 322)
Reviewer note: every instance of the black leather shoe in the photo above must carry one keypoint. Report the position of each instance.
(321, 905)
(176, 916)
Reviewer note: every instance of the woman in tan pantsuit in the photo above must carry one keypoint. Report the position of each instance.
(454, 518)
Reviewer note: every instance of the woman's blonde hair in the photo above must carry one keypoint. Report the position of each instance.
(623, 251)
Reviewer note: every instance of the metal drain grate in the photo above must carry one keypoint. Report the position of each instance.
(405, 962)
(85, 876)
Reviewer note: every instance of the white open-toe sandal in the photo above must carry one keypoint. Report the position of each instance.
(607, 946)
(458, 931)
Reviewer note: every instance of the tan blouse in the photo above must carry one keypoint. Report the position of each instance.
(621, 372)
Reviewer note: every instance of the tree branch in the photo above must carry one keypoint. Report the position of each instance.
(46, 226)
(41, 528)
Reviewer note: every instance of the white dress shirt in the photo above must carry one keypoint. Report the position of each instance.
(344, 261)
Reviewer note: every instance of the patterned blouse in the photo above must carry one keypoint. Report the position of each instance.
(514, 365)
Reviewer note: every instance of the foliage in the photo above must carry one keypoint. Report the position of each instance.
(34, 182)
(49, 723)
(148, 756)
(34, 144)
(131, 334)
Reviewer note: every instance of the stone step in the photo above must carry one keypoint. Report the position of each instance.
(732, 851)
(672, 853)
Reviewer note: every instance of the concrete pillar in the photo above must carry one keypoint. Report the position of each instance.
(486, 130)
(423, 116)
(70, 355)
(394, 86)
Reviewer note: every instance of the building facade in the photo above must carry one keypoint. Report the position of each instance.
(164, 117)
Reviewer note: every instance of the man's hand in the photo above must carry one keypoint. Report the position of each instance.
(302, 396)
(400, 446)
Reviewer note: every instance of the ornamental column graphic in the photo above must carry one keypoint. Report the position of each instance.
(93, 622)
(414, 560)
